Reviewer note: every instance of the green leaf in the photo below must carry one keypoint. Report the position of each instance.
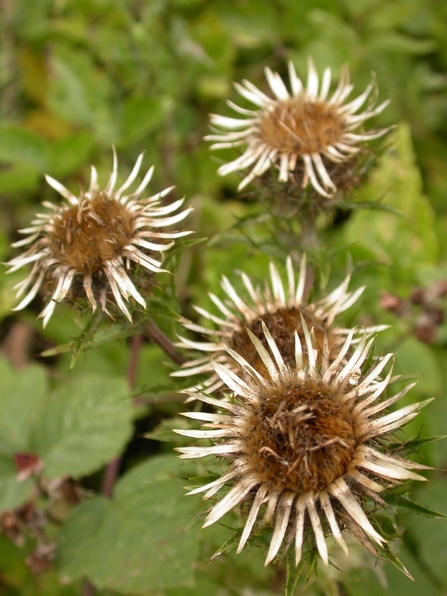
(414, 445)
(94, 334)
(388, 554)
(403, 242)
(19, 579)
(163, 431)
(22, 147)
(204, 586)
(19, 177)
(395, 42)
(140, 539)
(416, 359)
(250, 28)
(293, 574)
(405, 505)
(21, 393)
(69, 96)
(12, 492)
(68, 154)
(143, 115)
(82, 426)
(80, 93)
(429, 536)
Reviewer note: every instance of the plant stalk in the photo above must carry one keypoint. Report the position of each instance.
(112, 471)
(157, 336)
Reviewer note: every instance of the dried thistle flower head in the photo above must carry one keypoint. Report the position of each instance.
(282, 308)
(91, 246)
(306, 444)
(302, 132)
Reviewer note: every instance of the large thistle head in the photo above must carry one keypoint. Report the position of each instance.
(91, 246)
(281, 306)
(306, 445)
(309, 137)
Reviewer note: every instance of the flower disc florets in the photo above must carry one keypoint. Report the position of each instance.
(303, 444)
(301, 132)
(281, 308)
(302, 437)
(92, 246)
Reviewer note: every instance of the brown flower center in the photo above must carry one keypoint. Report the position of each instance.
(302, 126)
(87, 235)
(301, 437)
(282, 324)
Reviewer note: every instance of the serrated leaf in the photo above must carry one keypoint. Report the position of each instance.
(82, 426)
(138, 540)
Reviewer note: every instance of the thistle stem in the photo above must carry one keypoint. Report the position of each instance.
(157, 336)
(135, 350)
(309, 235)
(110, 476)
(89, 588)
(112, 471)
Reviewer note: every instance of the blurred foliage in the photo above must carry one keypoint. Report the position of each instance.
(78, 76)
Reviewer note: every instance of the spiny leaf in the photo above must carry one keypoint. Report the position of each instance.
(414, 445)
(388, 554)
(405, 505)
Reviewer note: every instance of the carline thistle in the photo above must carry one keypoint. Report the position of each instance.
(91, 246)
(306, 444)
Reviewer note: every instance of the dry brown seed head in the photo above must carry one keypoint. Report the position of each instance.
(287, 199)
(282, 324)
(89, 234)
(299, 126)
(300, 437)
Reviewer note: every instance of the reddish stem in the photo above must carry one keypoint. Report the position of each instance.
(89, 589)
(112, 471)
(157, 336)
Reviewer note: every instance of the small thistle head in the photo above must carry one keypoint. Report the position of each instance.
(96, 244)
(309, 137)
(306, 445)
(282, 308)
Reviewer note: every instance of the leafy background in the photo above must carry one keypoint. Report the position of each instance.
(80, 76)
